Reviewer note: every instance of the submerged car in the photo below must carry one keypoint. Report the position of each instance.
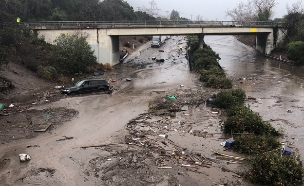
(88, 85)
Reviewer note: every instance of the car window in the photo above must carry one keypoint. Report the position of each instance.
(94, 82)
(102, 82)
(79, 83)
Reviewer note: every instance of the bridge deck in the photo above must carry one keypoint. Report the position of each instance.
(154, 24)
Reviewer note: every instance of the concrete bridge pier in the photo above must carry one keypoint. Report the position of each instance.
(264, 43)
(201, 40)
(106, 48)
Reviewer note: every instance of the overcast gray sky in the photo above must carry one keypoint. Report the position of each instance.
(207, 9)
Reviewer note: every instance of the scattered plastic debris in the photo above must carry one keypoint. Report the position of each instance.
(170, 97)
(58, 87)
(24, 157)
(226, 144)
(1, 106)
(163, 135)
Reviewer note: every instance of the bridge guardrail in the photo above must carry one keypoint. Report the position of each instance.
(152, 23)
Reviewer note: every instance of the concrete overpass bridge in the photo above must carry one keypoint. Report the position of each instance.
(104, 36)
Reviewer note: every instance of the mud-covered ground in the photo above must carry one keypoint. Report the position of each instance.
(135, 136)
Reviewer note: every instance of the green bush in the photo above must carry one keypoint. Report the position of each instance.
(47, 72)
(219, 82)
(295, 52)
(273, 169)
(38, 40)
(243, 119)
(215, 70)
(204, 58)
(251, 144)
(72, 54)
(229, 98)
(193, 43)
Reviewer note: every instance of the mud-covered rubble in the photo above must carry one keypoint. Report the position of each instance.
(37, 175)
(22, 122)
(148, 154)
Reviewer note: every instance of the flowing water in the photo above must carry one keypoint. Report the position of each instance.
(277, 86)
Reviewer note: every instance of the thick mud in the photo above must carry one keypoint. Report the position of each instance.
(136, 136)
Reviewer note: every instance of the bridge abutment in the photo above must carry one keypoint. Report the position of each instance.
(265, 43)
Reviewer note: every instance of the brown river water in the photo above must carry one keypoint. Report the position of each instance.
(277, 86)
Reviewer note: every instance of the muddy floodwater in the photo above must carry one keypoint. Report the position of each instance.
(277, 86)
(115, 140)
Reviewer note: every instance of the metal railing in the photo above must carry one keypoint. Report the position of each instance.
(108, 24)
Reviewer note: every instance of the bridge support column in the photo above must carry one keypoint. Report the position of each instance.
(201, 40)
(106, 48)
(264, 43)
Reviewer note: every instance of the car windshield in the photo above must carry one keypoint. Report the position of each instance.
(79, 83)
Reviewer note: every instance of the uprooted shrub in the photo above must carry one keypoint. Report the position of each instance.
(229, 98)
(242, 119)
(274, 169)
(252, 144)
(161, 103)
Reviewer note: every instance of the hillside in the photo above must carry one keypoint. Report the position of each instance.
(21, 73)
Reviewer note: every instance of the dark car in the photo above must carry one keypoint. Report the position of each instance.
(88, 85)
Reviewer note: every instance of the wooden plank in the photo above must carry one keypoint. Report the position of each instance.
(42, 127)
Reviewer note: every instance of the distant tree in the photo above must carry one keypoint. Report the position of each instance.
(36, 10)
(71, 54)
(9, 10)
(243, 12)
(114, 10)
(9, 42)
(264, 9)
(295, 21)
(91, 11)
(143, 16)
(58, 15)
(253, 10)
(174, 15)
(183, 19)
